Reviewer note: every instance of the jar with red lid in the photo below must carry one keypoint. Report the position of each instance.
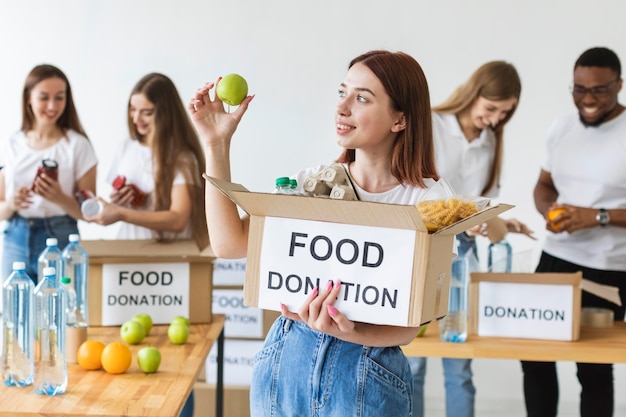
(139, 197)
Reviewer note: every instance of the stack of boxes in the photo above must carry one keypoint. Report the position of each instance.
(244, 332)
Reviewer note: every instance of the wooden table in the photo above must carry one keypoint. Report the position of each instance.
(96, 393)
(596, 345)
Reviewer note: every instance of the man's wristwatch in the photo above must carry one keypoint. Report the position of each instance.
(603, 217)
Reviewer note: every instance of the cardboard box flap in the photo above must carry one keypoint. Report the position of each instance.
(145, 248)
(576, 279)
(361, 213)
(478, 218)
(607, 292)
(573, 279)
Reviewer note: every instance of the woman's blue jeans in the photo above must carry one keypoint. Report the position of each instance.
(302, 372)
(25, 239)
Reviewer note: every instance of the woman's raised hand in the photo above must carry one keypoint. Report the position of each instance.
(214, 124)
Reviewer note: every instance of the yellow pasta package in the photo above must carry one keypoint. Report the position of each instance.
(438, 214)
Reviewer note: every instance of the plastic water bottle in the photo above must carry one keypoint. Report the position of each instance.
(18, 328)
(453, 327)
(51, 257)
(51, 367)
(283, 186)
(70, 308)
(76, 267)
(500, 256)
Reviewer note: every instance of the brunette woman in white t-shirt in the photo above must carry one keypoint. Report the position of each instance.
(37, 209)
(162, 196)
(162, 160)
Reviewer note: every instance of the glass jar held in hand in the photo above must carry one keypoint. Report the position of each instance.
(139, 197)
(50, 167)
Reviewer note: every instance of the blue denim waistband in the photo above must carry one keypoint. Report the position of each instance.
(39, 221)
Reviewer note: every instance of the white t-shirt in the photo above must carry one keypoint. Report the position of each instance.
(74, 154)
(401, 194)
(134, 161)
(464, 165)
(588, 168)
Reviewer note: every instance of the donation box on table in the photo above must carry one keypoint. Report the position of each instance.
(526, 305)
(164, 280)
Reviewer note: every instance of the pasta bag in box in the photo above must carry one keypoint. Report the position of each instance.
(441, 207)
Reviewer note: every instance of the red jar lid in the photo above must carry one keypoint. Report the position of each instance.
(119, 182)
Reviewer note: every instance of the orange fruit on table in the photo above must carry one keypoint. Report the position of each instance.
(116, 358)
(89, 355)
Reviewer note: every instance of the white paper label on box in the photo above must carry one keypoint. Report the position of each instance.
(241, 320)
(229, 271)
(374, 265)
(522, 310)
(238, 362)
(158, 289)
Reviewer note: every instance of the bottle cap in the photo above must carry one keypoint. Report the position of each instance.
(282, 181)
(52, 241)
(293, 183)
(74, 237)
(18, 266)
(91, 207)
(47, 271)
(66, 280)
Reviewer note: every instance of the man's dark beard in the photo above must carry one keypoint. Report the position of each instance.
(597, 122)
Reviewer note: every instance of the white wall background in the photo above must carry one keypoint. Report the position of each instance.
(294, 55)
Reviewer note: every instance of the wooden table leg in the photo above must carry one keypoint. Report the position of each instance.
(219, 392)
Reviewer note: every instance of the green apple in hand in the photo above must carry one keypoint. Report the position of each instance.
(178, 333)
(145, 320)
(149, 359)
(132, 332)
(232, 89)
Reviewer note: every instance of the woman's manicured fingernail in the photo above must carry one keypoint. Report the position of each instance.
(331, 310)
(329, 286)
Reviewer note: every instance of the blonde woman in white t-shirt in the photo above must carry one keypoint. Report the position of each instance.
(468, 131)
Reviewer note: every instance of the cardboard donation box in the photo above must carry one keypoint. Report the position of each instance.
(525, 305)
(392, 271)
(165, 280)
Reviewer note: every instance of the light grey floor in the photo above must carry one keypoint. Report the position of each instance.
(499, 389)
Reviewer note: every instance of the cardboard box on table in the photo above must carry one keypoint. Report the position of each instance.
(392, 271)
(242, 322)
(530, 305)
(236, 401)
(164, 280)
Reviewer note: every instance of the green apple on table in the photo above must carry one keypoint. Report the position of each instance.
(132, 332)
(149, 359)
(181, 319)
(145, 320)
(232, 89)
(178, 330)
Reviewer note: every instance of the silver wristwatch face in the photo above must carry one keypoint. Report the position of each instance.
(603, 217)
